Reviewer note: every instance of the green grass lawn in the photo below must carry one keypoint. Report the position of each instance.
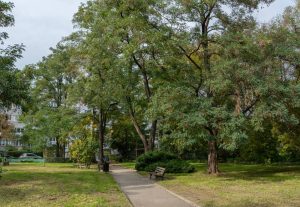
(58, 185)
(239, 185)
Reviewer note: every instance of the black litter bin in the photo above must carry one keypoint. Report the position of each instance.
(105, 166)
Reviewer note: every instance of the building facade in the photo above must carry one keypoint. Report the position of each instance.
(13, 115)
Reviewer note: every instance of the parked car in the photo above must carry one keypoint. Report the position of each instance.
(30, 156)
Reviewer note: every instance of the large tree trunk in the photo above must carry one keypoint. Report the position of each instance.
(148, 144)
(57, 149)
(152, 135)
(137, 126)
(62, 150)
(212, 158)
(141, 135)
(101, 150)
(102, 127)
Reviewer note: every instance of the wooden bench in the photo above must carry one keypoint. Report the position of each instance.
(159, 172)
(81, 165)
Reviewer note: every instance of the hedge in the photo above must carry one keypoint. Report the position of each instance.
(150, 160)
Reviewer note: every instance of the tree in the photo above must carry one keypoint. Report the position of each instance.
(6, 128)
(12, 88)
(122, 137)
(94, 82)
(227, 72)
(50, 116)
(285, 31)
(131, 45)
(83, 146)
(200, 73)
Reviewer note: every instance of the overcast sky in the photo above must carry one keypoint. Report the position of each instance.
(40, 24)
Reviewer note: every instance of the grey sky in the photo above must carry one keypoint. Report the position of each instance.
(40, 24)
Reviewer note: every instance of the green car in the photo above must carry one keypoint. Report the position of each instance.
(30, 157)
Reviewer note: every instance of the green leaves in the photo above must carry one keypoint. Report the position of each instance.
(13, 87)
(6, 18)
(199, 71)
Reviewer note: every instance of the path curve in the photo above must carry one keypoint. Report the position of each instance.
(143, 192)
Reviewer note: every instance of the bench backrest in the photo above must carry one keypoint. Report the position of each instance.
(160, 171)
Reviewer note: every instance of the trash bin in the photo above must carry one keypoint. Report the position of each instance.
(105, 165)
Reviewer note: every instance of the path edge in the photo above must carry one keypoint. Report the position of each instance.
(178, 196)
(158, 185)
(120, 188)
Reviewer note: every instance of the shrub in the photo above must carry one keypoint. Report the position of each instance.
(153, 157)
(83, 151)
(149, 161)
(172, 166)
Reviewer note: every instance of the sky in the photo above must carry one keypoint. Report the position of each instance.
(41, 24)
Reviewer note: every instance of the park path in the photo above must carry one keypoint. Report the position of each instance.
(143, 192)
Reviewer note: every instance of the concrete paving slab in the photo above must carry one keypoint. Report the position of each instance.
(143, 192)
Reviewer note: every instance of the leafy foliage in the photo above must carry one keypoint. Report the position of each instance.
(122, 137)
(152, 157)
(190, 76)
(13, 85)
(172, 166)
(83, 150)
(150, 160)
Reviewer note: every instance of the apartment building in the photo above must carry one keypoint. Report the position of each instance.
(13, 114)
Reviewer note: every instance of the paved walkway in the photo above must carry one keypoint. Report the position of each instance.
(143, 192)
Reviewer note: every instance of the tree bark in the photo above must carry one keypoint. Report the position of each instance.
(140, 133)
(57, 149)
(238, 103)
(136, 125)
(148, 145)
(62, 151)
(212, 158)
(102, 127)
(152, 135)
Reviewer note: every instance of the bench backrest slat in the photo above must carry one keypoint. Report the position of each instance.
(160, 170)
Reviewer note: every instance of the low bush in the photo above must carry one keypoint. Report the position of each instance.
(149, 161)
(172, 166)
(153, 157)
(83, 150)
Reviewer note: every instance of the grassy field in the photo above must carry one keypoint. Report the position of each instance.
(58, 185)
(239, 186)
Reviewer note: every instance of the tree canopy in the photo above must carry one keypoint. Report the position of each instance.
(12, 83)
(189, 75)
